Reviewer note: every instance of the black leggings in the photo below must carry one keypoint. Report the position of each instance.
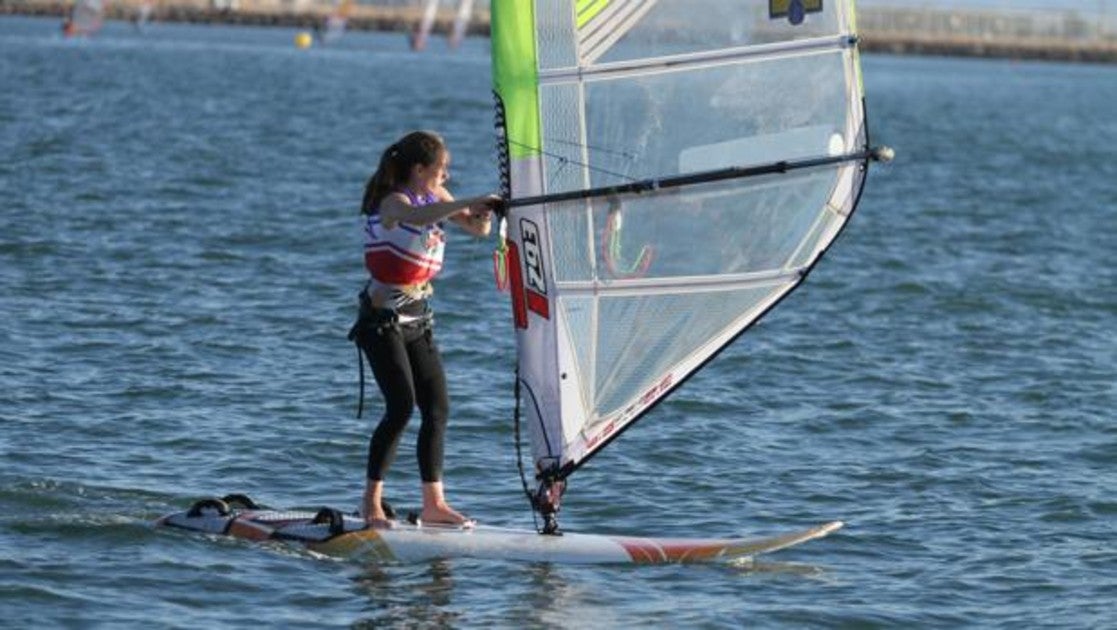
(408, 369)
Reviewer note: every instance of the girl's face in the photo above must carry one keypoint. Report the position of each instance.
(430, 178)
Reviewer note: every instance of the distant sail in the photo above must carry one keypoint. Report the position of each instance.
(84, 18)
(142, 15)
(461, 22)
(336, 22)
(674, 169)
(426, 23)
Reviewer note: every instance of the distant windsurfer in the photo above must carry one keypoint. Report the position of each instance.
(405, 207)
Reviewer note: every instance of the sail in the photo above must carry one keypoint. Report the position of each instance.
(673, 170)
(426, 23)
(84, 18)
(142, 15)
(336, 22)
(461, 22)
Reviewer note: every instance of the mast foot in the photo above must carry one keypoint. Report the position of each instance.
(547, 500)
(550, 525)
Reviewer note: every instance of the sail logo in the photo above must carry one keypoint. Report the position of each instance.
(533, 257)
(794, 10)
(535, 282)
(653, 394)
(526, 277)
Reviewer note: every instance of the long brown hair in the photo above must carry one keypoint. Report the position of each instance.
(417, 147)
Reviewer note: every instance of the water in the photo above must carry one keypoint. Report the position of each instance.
(178, 259)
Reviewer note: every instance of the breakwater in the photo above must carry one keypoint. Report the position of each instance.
(361, 17)
(1055, 35)
(1045, 34)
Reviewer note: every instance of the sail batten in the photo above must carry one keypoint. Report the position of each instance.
(706, 59)
(687, 284)
(673, 171)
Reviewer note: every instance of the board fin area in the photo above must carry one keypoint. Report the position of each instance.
(328, 531)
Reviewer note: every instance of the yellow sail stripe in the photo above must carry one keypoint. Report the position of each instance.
(586, 10)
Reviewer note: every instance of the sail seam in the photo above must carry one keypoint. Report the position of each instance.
(696, 60)
(687, 284)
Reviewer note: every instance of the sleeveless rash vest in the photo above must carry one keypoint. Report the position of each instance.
(402, 259)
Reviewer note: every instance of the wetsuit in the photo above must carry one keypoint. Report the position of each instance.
(394, 332)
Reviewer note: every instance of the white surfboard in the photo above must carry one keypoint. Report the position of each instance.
(331, 533)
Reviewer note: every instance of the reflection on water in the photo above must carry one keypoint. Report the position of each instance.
(422, 594)
(445, 593)
(752, 565)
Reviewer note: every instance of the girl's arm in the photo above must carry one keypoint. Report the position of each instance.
(477, 218)
(396, 208)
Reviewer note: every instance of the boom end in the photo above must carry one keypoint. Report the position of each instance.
(883, 154)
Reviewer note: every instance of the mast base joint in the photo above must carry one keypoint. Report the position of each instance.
(547, 499)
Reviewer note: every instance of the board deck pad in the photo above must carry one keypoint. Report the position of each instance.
(334, 534)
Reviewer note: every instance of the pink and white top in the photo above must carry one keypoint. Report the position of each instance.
(405, 254)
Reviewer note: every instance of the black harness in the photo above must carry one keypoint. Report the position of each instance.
(382, 322)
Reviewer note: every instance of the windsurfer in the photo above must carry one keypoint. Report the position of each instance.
(405, 207)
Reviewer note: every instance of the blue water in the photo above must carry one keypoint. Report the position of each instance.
(178, 260)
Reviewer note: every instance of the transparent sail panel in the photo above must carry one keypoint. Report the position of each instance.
(667, 123)
(673, 27)
(556, 34)
(731, 227)
(647, 281)
(639, 339)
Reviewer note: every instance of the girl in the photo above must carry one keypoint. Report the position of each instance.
(406, 206)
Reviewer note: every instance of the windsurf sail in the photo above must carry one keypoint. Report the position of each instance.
(426, 23)
(456, 34)
(336, 22)
(85, 17)
(672, 170)
(461, 22)
(142, 15)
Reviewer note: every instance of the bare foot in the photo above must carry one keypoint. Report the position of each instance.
(372, 506)
(435, 509)
(443, 514)
(376, 518)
